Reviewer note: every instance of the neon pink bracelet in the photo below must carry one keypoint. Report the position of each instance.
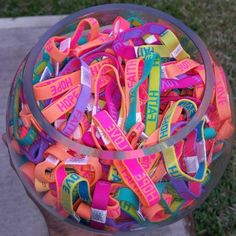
(99, 204)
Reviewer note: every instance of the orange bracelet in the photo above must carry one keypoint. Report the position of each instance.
(28, 170)
(57, 86)
(62, 105)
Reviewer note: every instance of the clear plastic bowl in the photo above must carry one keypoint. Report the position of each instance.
(106, 14)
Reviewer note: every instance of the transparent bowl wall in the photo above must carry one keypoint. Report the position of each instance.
(106, 14)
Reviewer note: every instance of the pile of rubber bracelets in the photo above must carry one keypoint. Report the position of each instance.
(123, 88)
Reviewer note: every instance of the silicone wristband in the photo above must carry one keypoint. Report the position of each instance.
(153, 105)
(28, 169)
(135, 21)
(50, 199)
(119, 25)
(135, 133)
(60, 175)
(41, 186)
(113, 175)
(60, 55)
(128, 52)
(81, 50)
(184, 190)
(93, 33)
(170, 199)
(42, 169)
(96, 97)
(15, 146)
(113, 210)
(144, 50)
(131, 171)
(173, 69)
(58, 151)
(31, 135)
(184, 82)
(87, 167)
(55, 53)
(169, 39)
(74, 187)
(156, 213)
(129, 203)
(133, 72)
(75, 64)
(131, 119)
(99, 204)
(222, 95)
(78, 111)
(47, 72)
(150, 39)
(57, 86)
(112, 97)
(70, 67)
(38, 70)
(35, 153)
(104, 78)
(170, 159)
(64, 104)
(84, 211)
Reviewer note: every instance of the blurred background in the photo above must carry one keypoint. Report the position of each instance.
(215, 22)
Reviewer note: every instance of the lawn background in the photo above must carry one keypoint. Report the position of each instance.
(215, 23)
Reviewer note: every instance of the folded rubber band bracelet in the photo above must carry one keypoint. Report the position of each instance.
(131, 171)
(74, 187)
(99, 204)
(170, 159)
(31, 135)
(131, 119)
(153, 104)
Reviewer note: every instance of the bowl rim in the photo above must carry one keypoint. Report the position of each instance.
(118, 155)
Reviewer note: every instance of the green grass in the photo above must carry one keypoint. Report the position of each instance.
(214, 21)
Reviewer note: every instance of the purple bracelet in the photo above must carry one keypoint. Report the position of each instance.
(35, 153)
(183, 190)
(128, 52)
(78, 111)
